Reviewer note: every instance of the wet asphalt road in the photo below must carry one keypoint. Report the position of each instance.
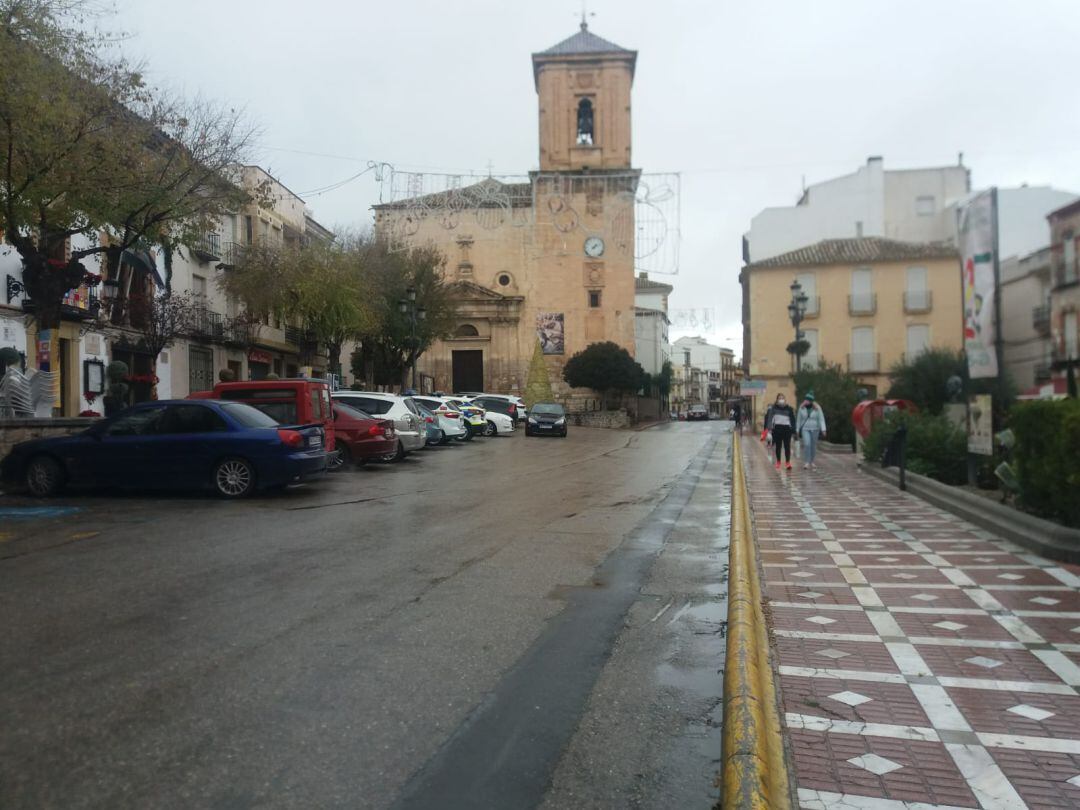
(512, 623)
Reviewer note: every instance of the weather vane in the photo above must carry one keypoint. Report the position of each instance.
(585, 14)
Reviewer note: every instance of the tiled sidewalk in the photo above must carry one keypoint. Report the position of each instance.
(923, 662)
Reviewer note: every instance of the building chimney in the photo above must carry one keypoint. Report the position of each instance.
(643, 276)
(858, 230)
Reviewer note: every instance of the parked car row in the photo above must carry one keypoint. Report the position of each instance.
(241, 437)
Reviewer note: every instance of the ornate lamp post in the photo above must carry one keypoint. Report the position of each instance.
(796, 313)
(407, 306)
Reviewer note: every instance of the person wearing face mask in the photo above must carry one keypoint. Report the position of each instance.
(809, 427)
(780, 420)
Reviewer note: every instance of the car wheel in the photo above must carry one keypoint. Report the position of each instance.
(400, 454)
(44, 477)
(490, 429)
(338, 459)
(345, 456)
(468, 436)
(234, 478)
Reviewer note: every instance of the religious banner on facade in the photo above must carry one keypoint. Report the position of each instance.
(549, 329)
(976, 225)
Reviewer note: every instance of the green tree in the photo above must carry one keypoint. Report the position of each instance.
(604, 367)
(326, 287)
(87, 147)
(925, 381)
(836, 391)
(388, 350)
(663, 379)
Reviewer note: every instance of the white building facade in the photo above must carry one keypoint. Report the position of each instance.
(651, 323)
(907, 205)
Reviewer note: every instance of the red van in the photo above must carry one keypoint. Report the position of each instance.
(297, 401)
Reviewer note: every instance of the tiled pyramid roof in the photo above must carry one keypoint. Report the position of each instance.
(858, 251)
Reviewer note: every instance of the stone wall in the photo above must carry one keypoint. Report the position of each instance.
(602, 419)
(13, 431)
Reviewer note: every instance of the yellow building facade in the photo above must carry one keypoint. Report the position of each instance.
(871, 303)
(548, 259)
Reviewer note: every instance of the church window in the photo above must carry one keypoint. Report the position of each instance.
(467, 330)
(594, 299)
(585, 123)
(504, 279)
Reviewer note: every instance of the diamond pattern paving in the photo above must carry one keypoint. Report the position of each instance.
(932, 663)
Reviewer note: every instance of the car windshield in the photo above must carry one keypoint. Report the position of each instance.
(350, 411)
(248, 416)
(372, 405)
(549, 408)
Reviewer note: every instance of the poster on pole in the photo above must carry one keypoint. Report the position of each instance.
(980, 425)
(976, 222)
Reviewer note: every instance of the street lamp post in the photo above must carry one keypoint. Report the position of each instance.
(796, 313)
(407, 306)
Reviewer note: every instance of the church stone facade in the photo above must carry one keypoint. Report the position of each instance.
(550, 260)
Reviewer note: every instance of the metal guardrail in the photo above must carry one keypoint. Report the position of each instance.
(754, 768)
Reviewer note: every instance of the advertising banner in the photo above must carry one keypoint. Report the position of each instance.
(980, 425)
(976, 227)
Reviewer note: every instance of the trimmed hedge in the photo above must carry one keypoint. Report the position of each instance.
(1047, 457)
(935, 447)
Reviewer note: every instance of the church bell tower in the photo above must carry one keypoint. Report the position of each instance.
(583, 84)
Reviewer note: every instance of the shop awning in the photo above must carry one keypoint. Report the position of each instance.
(143, 260)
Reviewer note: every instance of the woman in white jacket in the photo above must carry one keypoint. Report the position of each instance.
(809, 427)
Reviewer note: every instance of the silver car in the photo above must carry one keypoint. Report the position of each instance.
(410, 428)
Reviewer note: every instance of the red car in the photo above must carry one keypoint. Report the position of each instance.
(295, 401)
(361, 437)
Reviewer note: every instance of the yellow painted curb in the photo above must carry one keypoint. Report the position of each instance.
(754, 768)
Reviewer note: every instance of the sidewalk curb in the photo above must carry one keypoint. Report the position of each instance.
(753, 763)
(1044, 537)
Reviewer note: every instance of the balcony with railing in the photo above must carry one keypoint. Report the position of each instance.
(918, 301)
(208, 248)
(862, 303)
(1040, 320)
(863, 362)
(229, 255)
(301, 338)
(1043, 372)
(205, 323)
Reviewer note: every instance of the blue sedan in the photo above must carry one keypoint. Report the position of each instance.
(229, 447)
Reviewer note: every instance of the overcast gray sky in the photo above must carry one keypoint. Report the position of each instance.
(744, 99)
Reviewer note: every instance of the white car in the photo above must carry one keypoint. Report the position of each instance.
(410, 428)
(450, 419)
(498, 423)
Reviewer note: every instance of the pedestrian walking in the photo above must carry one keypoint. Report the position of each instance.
(780, 423)
(810, 427)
